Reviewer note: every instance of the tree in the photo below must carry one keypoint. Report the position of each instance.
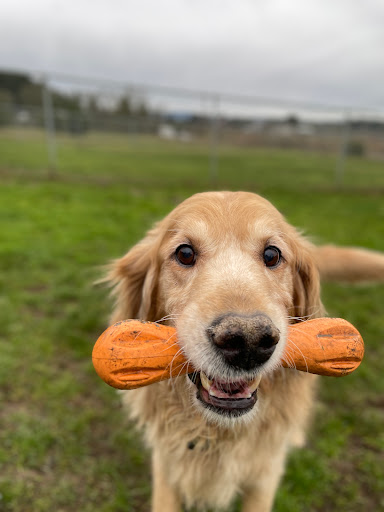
(124, 107)
(292, 120)
(14, 83)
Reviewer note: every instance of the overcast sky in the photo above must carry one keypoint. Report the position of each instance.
(315, 50)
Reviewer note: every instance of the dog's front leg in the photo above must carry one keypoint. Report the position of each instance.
(164, 498)
(258, 500)
(260, 497)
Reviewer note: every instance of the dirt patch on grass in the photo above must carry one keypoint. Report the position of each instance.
(377, 402)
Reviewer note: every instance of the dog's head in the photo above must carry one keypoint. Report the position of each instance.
(230, 274)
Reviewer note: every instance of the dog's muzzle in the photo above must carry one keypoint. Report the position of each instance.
(243, 342)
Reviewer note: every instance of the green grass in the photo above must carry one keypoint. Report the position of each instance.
(106, 159)
(64, 441)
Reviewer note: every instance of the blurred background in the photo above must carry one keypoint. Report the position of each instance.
(110, 114)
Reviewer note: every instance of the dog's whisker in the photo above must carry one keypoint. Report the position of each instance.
(303, 356)
(314, 311)
(171, 363)
(299, 318)
(167, 346)
(165, 318)
(289, 361)
(182, 368)
(137, 335)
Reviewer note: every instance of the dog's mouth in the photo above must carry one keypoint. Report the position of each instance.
(226, 398)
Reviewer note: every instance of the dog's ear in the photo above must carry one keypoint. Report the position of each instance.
(134, 278)
(306, 294)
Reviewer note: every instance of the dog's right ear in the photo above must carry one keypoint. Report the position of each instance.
(134, 279)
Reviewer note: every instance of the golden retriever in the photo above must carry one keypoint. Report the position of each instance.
(230, 274)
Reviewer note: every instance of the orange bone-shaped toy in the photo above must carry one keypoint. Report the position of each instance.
(131, 354)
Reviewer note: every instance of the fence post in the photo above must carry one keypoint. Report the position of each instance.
(215, 129)
(49, 123)
(343, 153)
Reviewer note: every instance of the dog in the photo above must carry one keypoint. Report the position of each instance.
(229, 272)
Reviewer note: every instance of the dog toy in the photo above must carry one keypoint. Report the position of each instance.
(132, 353)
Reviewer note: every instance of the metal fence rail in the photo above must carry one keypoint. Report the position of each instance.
(64, 104)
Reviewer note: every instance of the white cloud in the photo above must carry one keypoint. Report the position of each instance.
(323, 51)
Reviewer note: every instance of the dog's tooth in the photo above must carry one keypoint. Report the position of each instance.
(254, 384)
(205, 381)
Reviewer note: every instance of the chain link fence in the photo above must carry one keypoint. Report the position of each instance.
(56, 107)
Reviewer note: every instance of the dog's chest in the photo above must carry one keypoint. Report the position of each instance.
(211, 471)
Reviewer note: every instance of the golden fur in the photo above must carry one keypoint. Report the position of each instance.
(200, 458)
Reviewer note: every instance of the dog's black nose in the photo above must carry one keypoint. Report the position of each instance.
(245, 341)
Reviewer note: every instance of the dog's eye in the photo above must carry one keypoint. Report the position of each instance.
(185, 255)
(271, 256)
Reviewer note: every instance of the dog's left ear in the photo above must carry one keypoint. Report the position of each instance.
(306, 282)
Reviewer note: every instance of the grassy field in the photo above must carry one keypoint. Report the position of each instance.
(133, 160)
(64, 442)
